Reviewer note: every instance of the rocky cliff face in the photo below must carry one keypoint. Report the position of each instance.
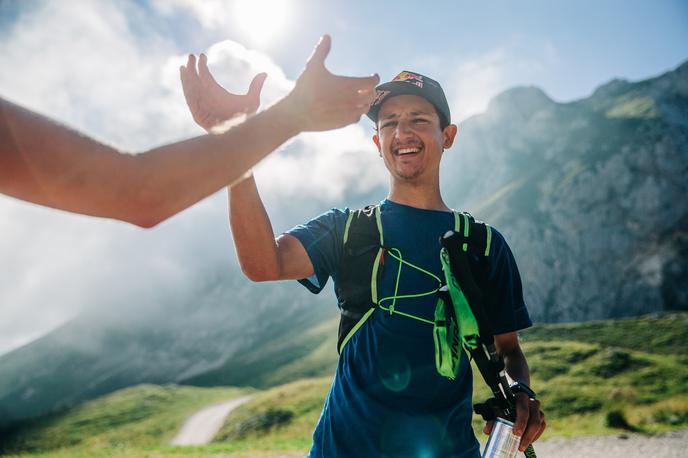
(592, 195)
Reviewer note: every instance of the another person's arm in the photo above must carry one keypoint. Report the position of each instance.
(44, 162)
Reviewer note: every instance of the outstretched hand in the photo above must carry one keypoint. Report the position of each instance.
(323, 101)
(210, 104)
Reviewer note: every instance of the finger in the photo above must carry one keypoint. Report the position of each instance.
(188, 77)
(257, 84)
(534, 425)
(364, 98)
(543, 425)
(184, 71)
(191, 65)
(488, 427)
(349, 109)
(528, 436)
(360, 83)
(188, 86)
(322, 49)
(204, 72)
(522, 414)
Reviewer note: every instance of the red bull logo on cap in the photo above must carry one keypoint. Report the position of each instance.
(410, 78)
(379, 96)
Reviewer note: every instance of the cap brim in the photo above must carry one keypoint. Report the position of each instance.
(399, 88)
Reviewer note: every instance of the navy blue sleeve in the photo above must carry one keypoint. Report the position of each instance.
(505, 290)
(322, 238)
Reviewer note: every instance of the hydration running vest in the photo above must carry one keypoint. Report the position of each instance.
(363, 258)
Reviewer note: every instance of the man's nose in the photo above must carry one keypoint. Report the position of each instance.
(404, 129)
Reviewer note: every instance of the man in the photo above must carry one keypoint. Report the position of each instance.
(48, 164)
(387, 398)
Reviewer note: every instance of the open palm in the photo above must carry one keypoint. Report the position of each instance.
(210, 104)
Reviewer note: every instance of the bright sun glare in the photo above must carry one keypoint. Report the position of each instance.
(262, 20)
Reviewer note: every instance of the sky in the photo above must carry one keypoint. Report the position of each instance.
(110, 69)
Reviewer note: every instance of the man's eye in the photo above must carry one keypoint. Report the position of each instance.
(388, 124)
(420, 121)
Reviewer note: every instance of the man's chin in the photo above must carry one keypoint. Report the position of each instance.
(407, 176)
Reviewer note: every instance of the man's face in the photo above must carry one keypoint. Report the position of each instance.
(410, 138)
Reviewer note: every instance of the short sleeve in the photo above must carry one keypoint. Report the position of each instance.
(505, 289)
(322, 238)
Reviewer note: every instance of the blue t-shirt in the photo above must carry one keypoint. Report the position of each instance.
(387, 398)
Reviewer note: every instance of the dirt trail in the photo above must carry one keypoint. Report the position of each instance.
(667, 445)
(201, 427)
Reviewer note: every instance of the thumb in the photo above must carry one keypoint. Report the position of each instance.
(257, 85)
(322, 49)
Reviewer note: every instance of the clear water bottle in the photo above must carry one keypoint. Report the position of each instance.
(502, 443)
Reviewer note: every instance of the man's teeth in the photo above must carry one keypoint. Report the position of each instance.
(408, 150)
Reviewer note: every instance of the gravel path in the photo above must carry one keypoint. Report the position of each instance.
(667, 445)
(201, 427)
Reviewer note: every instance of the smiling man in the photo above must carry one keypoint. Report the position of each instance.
(387, 397)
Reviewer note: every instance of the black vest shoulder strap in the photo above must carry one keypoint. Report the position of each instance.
(361, 244)
(472, 239)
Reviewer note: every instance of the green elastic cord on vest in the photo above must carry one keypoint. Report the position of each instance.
(391, 309)
(466, 227)
(489, 239)
(355, 328)
(347, 226)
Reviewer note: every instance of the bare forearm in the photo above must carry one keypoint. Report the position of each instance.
(254, 238)
(517, 366)
(514, 359)
(52, 165)
(194, 169)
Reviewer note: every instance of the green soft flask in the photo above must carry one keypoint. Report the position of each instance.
(447, 337)
(455, 325)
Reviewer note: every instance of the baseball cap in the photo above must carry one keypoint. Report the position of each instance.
(409, 83)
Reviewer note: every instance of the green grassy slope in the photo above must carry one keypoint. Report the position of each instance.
(592, 378)
(296, 354)
(658, 333)
(138, 417)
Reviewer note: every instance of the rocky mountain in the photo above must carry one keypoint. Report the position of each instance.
(591, 196)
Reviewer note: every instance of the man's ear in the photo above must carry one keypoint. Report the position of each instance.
(376, 140)
(449, 135)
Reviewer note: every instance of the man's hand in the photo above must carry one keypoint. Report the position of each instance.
(210, 104)
(530, 420)
(323, 101)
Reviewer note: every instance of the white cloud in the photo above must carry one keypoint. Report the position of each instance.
(470, 82)
(212, 14)
(326, 165)
(87, 64)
